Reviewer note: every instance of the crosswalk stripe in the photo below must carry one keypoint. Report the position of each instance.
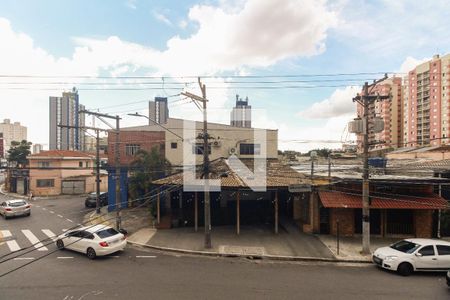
(34, 240)
(49, 233)
(13, 246)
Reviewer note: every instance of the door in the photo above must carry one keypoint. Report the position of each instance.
(73, 187)
(425, 258)
(443, 258)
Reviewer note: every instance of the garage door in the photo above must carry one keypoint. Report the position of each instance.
(72, 187)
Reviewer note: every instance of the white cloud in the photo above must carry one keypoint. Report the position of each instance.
(131, 4)
(162, 18)
(410, 63)
(183, 24)
(338, 104)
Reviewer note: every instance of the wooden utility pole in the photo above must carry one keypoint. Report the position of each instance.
(207, 210)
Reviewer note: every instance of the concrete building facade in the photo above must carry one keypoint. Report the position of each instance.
(12, 132)
(158, 110)
(241, 115)
(391, 111)
(427, 103)
(65, 110)
(37, 148)
(224, 140)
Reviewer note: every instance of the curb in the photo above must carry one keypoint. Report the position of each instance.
(268, 257)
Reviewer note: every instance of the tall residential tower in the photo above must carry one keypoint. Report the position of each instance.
(158, 111)
(65, 110)
(241, 115)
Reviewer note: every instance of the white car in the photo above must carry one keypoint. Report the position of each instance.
(97, 240)
(17, 207)
(409, 255)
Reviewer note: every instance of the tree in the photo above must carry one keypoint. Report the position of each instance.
(18, 152)
(324, 152)
(147, 167)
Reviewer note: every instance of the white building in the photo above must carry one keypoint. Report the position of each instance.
(224, 140)
(12, 132)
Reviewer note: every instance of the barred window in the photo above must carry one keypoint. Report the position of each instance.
(132, 149)
(43, 164)
(249, 149)
(45, 183)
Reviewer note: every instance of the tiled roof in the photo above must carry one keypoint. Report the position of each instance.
(277, 174)
(336, 199)
(61, 154)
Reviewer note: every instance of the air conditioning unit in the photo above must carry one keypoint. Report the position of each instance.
(232, 151)
(216, 144)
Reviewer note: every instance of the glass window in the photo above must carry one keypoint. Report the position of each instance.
(405, 246)
(132, 149)
(443, 250)
(17, 203)
(80, 164)
(45, 183)
(107, 233)
(43, 164)
(427, 251)
(249, 149)
(173, 145)
(198, 148)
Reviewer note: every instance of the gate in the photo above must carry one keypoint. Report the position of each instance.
(73, 187)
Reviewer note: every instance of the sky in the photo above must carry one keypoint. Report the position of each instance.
(299, 62)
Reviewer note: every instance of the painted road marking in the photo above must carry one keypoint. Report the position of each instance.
(51, 211)
(23, 258)
(60, 216)
(37, 205)
(13, 246)
(64, 230)
(65, 257)
(34, 240)
(69, 220)
(49, 233)
(44, 208)
(145, 256)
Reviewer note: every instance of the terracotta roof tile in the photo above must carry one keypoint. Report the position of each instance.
(336, 199)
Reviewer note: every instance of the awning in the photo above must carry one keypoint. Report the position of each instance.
(337, 199)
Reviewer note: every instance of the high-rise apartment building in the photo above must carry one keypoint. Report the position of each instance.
(65, 111)
(427, 103)
(12, 132)
(390, 111)
(37, 148)
(241, 115)
(158, 111)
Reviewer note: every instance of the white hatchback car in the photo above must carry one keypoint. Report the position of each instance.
(93, 241)
(411, 255)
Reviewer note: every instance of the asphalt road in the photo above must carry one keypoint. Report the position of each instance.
(142, 274)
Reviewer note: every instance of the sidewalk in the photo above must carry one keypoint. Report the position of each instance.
(350, 247)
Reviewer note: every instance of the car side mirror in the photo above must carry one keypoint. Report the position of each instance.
(419, 254)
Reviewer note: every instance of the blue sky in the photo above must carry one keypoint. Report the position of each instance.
(215, 39)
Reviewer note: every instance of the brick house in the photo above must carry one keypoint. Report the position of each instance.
(58, 172)
(398, 207)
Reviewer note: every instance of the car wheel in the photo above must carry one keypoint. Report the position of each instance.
(29, 214)
(60, 244)
(5, 216)
(91, 253)
(405, 269)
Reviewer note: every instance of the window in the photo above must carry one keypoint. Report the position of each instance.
(443, 250)
(427, 251)
(173, 145)
(132, 149)
(87, 164)
(45, 183)
(43, 164)
(103, 234)
(249, 149)
(198, 148)
(80, 164)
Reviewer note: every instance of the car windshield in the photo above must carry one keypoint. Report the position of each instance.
(16, 204)
(405, 246)
(107, 233)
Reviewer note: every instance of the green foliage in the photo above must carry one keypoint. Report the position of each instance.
(18, 152)
(147, 167)
(324, 152)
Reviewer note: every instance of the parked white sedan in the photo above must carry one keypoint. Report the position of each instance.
(17, 207)
(93, 241)
(411, 255)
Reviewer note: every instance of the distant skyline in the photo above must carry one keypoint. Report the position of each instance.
(165, 41)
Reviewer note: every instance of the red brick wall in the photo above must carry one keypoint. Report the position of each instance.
(146, 140)
(423, 223)
(346, 219)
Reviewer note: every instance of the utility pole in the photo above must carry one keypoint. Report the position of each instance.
(365, 100)
(97, 159)
(116, 130)
(207, 211)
